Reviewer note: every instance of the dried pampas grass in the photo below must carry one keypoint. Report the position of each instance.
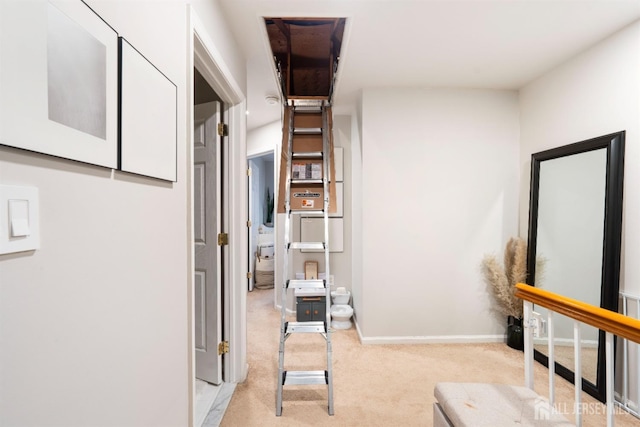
(518, 255)
(502, 278)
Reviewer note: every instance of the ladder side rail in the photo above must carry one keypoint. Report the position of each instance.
(285, 264)
(287, 222)
(325, 183)
(327, 160)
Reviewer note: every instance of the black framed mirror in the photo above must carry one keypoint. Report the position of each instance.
(575, 229)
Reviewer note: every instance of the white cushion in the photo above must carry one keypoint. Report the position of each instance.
(495, 405)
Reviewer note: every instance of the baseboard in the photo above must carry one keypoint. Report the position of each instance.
(630, 404)
(438, 339)
(289, 311)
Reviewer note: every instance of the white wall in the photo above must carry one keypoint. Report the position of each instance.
(212, 17)
(95, 324)
(357, 271)
(593, 94)
(264, 139)
(439, 190)
(596, 93)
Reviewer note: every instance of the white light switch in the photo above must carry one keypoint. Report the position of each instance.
(19, 228)
(19, 218)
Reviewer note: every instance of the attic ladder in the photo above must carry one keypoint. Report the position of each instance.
(307, 168)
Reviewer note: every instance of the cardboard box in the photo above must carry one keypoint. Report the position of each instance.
(306, 169)
(307, 143)
(308, 197)
(307, 120)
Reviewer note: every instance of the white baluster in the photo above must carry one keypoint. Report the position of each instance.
(578, 371)
(528, 345)
(609, 358)
(552, 358)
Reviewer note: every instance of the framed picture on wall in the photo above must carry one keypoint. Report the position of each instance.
(148, 117)
(312, 230)
(59, 81)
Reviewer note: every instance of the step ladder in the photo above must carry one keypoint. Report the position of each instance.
(306, 156)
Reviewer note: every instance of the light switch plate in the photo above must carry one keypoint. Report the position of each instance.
(19, 219)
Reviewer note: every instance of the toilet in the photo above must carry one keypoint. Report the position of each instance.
(341, 311)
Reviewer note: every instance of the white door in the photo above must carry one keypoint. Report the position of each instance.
(254, 216)
(207, 283)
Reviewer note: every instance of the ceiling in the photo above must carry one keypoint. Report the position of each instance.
(496, 44)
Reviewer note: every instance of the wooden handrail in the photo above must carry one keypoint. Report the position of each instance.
(607, 320)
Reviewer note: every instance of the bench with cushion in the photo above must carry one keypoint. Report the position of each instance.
(492, 405)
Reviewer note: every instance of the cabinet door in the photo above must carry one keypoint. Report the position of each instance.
(318, 311)
(303, 311)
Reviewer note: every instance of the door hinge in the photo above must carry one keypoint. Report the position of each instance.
(223, 239)
(249, 224)
(249, 275)
(249, 172)
(223, 130)
(223, 348)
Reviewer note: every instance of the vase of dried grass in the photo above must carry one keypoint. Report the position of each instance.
(515, 335)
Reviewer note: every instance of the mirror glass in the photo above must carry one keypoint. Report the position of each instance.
(570, 238)
(574, 235)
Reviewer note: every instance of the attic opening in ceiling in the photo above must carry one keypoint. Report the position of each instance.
(306, 52)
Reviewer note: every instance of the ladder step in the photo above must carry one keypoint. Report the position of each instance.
(306, 181)
(306, 245)
(306, 187)
(306, 212)
(307, 105)
(305, 377)
(305, 130)
(305, 327)
(306, 284)
(307, 155)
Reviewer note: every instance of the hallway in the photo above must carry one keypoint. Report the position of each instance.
(375, 385)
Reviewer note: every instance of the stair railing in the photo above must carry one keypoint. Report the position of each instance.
(610, 322)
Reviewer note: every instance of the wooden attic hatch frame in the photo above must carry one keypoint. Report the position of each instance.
(306, 53)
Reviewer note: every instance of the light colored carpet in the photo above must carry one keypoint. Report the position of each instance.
(374, 385)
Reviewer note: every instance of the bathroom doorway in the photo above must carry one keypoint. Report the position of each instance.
(261, 190)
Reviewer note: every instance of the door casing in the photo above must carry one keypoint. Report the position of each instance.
(203, 54)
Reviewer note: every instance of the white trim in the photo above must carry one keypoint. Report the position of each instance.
(236, 366)
(289, 311)
(211, 64)
(191, 368)
(434, 339)
(566, 342)
(261, 154)
(438, 339)
(202, 53)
